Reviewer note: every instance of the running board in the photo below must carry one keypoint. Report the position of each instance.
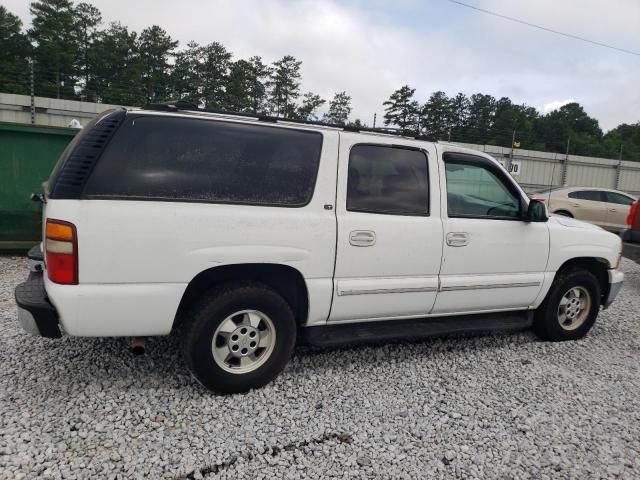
(391, 330)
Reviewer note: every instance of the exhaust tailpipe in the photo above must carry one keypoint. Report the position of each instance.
(138, 345)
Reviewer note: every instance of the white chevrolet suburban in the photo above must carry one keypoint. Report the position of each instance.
(246, 233)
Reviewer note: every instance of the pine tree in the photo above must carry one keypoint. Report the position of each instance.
(15, 48)
(285, 86)
(310, 103)
(214, 71)
(339, 109)
(88, 19)
(401, 109)
(186, 80)
(55, 31)
(118, 73)
(237, 97)
(155, 47)
(256, 84)
(436, 116)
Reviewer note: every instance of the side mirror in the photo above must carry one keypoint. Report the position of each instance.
(536, 212)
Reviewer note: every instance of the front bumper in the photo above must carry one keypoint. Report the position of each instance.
(35, 313)
(616, 278)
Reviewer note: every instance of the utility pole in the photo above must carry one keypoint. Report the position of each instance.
(374, 119)
(513, 141)
(618, 168)
(33, 101)
(565, 165)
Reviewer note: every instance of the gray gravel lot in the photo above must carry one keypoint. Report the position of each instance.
(504, 406)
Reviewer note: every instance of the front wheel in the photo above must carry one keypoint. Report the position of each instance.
(571, 307)
(238, 337)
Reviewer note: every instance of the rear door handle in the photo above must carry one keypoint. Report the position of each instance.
(613, 210)
(458, 239)
(362, 238)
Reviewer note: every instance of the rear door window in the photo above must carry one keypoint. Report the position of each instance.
(388, 180)
(185, 159)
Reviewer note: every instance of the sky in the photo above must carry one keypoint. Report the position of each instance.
(369, 48)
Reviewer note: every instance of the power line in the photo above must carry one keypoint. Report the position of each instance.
(557, 32)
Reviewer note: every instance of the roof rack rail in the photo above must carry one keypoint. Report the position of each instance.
(182, 105)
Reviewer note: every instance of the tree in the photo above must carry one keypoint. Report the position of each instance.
(310, 103)
(216, 60)
(186, 81)
(118, 73)
(436, 116)
(88, 18)
(285, 85)
(55, 31)
(339, 109)
(459, 116)
(155, 47)
(510, 118)
(357, 123)
(481, 115)
(401, 109)
(571, 122)
(237, 97)
(15, 48)
(256, 87)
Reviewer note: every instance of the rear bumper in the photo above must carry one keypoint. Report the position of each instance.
(616, 278)
(35, 313)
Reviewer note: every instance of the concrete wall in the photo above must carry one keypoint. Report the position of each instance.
(49, 111)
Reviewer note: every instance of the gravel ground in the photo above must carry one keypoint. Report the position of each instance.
(503, 406)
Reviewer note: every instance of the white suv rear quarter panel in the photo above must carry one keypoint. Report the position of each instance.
(136, 258)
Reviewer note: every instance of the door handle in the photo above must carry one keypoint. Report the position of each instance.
(613, 210)
(575, 205)
(458, 239)
(362, 238)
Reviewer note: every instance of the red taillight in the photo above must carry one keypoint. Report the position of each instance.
(632, 213)
(61, 248)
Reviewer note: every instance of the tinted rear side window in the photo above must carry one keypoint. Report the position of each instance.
(593, 195)
(165, 158)
(388, 180)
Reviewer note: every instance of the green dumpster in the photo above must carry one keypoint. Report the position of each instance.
(27, 156)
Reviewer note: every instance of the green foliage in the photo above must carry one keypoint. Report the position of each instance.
(55, 30)
(76, 57)
(402, 110)
(339, 109)
(155, 48)
(310, 103)
(15, 48)
(285, 86)
(117, 74)
(214, 72)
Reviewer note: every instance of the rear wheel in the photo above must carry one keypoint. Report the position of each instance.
(238, 337)
(571, 307)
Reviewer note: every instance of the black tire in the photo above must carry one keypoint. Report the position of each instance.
(216, 306)
(563, 213)
(546, 322)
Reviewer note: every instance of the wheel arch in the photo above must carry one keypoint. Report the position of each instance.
(563, 211)
(598, 266)
(287, 281)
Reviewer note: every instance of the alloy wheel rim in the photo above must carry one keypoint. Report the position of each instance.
(243, 341)
(574, 308)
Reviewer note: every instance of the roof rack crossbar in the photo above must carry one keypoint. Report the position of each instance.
(181, 105)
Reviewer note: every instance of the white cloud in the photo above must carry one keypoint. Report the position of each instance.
(554, 105)
(370, 49)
